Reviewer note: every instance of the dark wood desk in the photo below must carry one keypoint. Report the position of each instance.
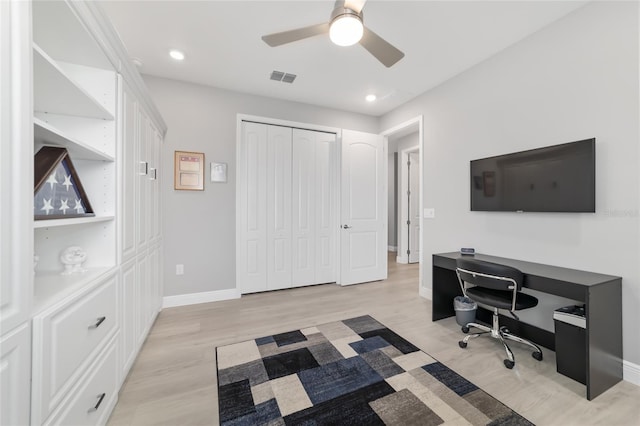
(601, 294)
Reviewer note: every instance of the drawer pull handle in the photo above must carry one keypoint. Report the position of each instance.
(98, 322)
(100, 398)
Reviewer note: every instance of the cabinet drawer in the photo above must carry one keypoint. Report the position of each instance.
(66, 340)
(91, 402)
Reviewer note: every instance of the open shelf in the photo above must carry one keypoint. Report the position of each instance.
(56, 92)
(50, 287)
(53, 223)
(46, 134)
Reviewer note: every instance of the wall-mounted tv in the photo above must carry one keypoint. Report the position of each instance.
(558, 178)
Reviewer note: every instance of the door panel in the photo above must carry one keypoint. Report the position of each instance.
(251, 256)
(414, 207)
(304, 207)
(363, 204)
(278, 207)
(129, 173)
(326, 220)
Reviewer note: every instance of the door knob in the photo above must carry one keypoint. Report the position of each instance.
(345, 227)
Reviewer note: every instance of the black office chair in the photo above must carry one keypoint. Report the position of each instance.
(496, 286)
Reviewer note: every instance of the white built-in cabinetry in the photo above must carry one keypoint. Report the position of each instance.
(67, 342)
(287, 204)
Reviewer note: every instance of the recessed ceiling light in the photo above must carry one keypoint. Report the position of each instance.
(137, 62)
(176, 54)
(371, 98)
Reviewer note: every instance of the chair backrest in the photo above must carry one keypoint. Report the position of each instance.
(488, 274)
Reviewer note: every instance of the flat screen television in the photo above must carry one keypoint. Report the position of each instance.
(558, 178)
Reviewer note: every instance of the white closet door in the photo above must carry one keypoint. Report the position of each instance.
(326, 223)
(251, 253)
(278, 207)
(304, 207)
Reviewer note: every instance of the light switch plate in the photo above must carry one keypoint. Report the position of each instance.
(429, 213)
(179, 269)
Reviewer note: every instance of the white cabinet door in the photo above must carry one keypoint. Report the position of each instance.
(156, 142)
(15, 374)
(251, 250)
(129, 172)
(278, 207)
(130, 320)
(142, 310)
(151, 217)
(16, 165)
(142, 190)
(363, 246)
(152, 297)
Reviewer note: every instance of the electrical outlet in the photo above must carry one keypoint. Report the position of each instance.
(180, 269)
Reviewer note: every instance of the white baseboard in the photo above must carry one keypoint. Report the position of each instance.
(631, 372)
(392, 248)
(402, 259)
(425, 293)
(195, 298)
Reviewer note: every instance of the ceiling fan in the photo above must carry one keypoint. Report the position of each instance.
(345, 28)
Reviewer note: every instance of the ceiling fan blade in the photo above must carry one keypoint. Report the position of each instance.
(355, 5)
(277, 39)
(380, 48)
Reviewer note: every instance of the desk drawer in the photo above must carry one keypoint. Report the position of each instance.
(91, 402)
(66, 340)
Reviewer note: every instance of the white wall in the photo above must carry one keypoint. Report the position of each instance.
(576, 79)
(199, 227)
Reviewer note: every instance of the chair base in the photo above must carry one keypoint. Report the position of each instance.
(502, 334)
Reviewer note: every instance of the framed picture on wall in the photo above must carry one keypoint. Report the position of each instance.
(188, 171)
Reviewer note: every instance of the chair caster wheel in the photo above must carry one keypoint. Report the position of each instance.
(537, 355)
(509, 364)
(465, 329)
(462, 344)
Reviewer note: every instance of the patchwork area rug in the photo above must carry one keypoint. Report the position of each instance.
(351, 372)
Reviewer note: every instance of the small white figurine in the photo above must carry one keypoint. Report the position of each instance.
(72, 258)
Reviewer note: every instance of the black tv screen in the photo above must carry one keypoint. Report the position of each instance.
(559, 178)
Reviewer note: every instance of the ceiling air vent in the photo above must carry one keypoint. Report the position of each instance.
(288, 78)
(283, 77)
(277, 75)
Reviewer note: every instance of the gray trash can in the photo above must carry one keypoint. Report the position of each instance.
(465, 310)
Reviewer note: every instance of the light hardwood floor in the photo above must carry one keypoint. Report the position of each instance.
(173, 381)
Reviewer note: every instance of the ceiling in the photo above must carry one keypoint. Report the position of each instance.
(223, 48)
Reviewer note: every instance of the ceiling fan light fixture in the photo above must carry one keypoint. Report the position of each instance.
(346, 28)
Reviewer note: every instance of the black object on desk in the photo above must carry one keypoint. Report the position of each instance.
(601, 295)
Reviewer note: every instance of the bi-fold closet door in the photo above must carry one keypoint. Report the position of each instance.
(287, 203)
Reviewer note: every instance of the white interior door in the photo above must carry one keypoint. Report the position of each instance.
(414, 207)
(363, 239)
